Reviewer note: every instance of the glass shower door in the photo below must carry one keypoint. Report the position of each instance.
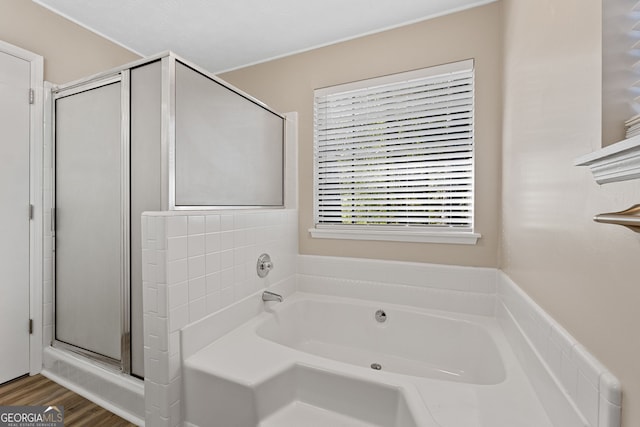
(91, 220)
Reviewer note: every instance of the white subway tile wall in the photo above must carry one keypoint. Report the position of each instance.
(423, 275)
(586, 384)
(469, 290)
(194, 265)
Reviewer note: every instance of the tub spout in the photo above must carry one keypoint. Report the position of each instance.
(271, 296)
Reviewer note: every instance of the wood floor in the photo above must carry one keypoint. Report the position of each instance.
(41, 391)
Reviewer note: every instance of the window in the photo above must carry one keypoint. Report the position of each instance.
(393, 157)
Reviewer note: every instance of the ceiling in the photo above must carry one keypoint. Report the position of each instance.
(222, 35)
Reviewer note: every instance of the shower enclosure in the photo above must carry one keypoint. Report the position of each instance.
(158, 134)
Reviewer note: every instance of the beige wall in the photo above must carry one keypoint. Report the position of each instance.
(69, 51)
(586, 275)
(287, 85)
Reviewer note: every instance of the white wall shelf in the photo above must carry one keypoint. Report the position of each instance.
(616, 162)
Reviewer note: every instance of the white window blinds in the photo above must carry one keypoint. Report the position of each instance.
(397, 150)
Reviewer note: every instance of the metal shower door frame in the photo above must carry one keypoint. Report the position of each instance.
(122, 77)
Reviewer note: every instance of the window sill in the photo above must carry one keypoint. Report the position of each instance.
(449, 237)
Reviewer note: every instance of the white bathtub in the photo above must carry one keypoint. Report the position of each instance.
(407, 341)
(307, 362)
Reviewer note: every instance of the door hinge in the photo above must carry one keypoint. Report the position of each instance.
(30, 326)
(30, 211)
(53, 219)
(32, 96)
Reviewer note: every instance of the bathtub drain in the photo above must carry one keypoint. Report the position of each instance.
(376, 366)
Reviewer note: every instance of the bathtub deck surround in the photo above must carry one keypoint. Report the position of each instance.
(574, 388)
(448, 369)
(205, 322)
(195, 264)
(526, 387)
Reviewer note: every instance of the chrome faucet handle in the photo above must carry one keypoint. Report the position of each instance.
(264, 265)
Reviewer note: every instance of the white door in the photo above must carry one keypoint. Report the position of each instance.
(15, 78)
